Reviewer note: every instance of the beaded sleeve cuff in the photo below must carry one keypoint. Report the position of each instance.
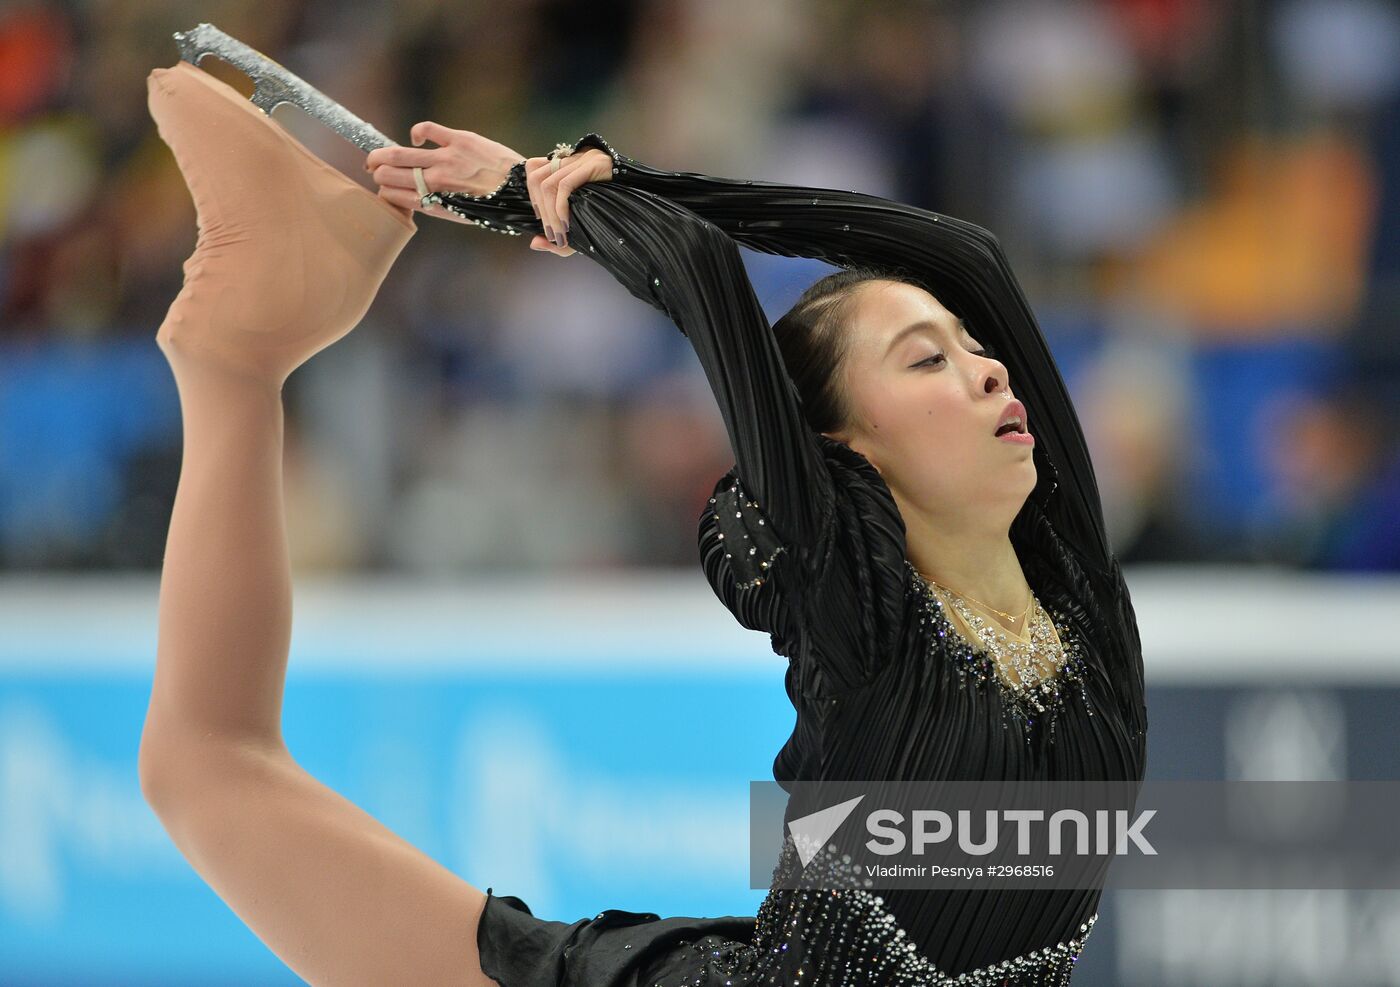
(593, 140)
(504, 201)
(506, 208)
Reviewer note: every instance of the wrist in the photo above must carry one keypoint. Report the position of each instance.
(498, 176)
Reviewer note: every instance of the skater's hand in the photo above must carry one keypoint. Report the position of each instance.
(465, 162)
(549, 193)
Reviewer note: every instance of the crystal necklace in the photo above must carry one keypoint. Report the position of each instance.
(1024, 657)
(986, 606)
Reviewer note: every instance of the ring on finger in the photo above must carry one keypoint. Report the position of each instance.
(561, 151)
(425, 197)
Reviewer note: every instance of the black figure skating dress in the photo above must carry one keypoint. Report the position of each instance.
(803, 540)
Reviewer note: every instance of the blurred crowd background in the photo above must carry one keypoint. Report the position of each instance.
(1200, 197)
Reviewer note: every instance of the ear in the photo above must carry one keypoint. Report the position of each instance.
(846, 438)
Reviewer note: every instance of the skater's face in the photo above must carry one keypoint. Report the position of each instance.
(925, 400)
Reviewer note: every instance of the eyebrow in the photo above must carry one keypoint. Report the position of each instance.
(914, 327)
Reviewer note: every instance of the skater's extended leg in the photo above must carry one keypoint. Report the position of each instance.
(290, 255)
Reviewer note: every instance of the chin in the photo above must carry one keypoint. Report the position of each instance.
(1022, 482)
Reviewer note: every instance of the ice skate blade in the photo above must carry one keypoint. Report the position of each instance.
(164, 78)
(275, 85)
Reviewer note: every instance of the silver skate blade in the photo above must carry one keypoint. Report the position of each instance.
(274, 85)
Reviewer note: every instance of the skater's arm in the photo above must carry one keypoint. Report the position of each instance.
(688, 268)
(960, 263)
(678, 262)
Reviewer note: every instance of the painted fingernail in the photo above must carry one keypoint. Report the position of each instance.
(548, 233)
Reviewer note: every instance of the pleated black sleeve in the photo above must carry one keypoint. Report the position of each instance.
(963, 265)
(786, 540)
(670, 238)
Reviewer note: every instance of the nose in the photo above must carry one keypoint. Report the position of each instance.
(994, 375)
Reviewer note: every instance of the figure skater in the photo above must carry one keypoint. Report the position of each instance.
(912, 517)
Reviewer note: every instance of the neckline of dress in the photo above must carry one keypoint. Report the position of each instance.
(981, 653)
(1027, 703)
(1023, 635)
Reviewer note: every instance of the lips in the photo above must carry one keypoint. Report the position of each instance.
(1014, 415)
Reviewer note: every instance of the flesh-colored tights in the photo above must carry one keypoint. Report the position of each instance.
(289, 256)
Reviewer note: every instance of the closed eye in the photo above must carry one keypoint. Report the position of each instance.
(987, 352)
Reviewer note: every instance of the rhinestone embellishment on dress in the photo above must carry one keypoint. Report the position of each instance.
(751, 549)
(977, 666)
(846, 936)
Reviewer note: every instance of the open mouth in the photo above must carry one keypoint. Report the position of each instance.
(1012, 426)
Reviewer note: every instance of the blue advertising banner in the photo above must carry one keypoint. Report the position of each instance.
(539, 740)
